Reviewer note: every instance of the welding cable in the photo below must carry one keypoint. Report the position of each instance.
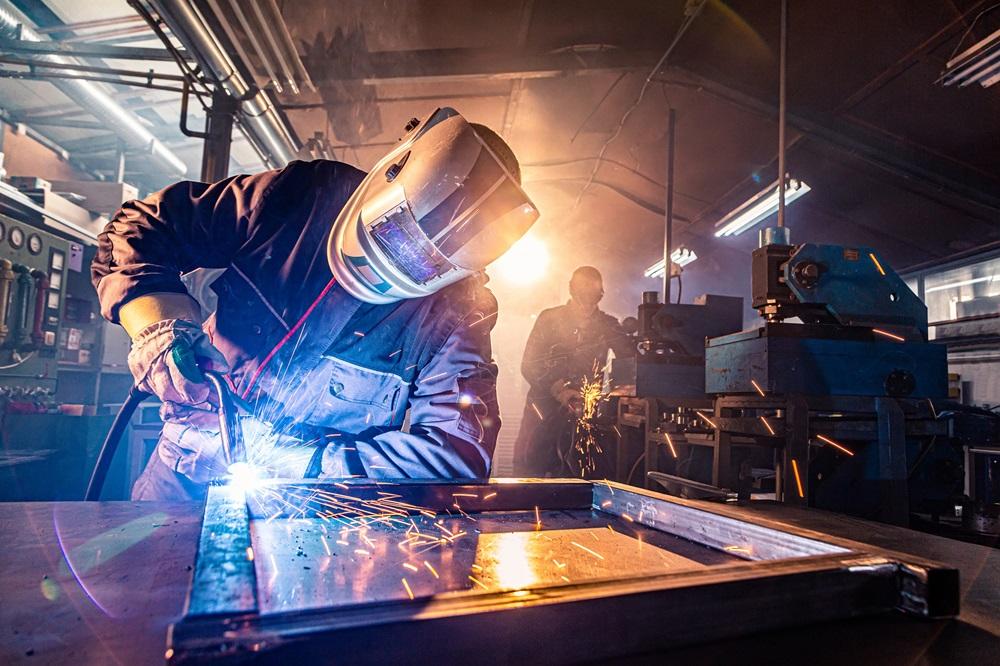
(110, 445)
(288, 336)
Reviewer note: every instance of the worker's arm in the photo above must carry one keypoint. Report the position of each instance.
(454, 417)
(148, 244)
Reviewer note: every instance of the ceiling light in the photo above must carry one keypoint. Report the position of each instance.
(961, 283)
(682, 256)
(758, 208)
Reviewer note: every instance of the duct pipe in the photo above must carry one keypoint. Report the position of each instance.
(102, 106)
(258, 115)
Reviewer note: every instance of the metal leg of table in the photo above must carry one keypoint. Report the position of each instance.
(722, 455)
(894, 498)
(795, 463)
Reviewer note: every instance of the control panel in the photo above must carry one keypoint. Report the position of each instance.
(33, 270)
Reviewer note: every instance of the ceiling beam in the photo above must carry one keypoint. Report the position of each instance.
(438, 65)
(63, 48)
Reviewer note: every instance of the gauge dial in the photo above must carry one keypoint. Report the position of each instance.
(16, 238)
(35, 244)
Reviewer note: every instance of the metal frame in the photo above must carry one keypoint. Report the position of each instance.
(797, 576)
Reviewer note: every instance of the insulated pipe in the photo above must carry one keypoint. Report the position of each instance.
(92, 98)
(258, 117)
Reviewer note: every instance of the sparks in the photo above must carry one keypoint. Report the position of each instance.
(409, 592)
(250, 553)
(537, 411)
(877, 264)
(431, 569)
(605, 504)
(670, 443)
(707, 420)
(478, 582)
(407, 565)
(798, 479)
(767, 425)
(489, 496)
(359, 551)
(759, 389)
(584, 548)
(887, 334)
(538, 518)
(835, 445)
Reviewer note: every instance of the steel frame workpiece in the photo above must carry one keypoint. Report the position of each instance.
(735, 575)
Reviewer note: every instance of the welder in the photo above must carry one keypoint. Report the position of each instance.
(347, 303)
(566, 349)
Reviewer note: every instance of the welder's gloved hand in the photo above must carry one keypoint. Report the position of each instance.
(155, 371)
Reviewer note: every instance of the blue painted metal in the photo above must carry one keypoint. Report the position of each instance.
(856, 287)
(784, 360)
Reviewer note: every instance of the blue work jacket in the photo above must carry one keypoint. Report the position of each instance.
(351, 369)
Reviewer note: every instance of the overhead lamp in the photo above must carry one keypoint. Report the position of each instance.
(961, 283)
(758, 208)
(682, 256)
(980, 63)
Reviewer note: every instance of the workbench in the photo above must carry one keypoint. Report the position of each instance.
(99, 583)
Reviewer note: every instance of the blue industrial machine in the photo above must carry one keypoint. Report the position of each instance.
(862, 331)
(840, 380)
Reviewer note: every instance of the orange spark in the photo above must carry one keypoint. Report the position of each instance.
(759, 389)
(767, 425)
(798, 479)
(582, 547)
(409, 592)
(891, 336)
(489, 496)
(431, 569)
(707, 420)
(877, 265)
(835, 445)
(537, 411)
(478, 582)
(359, 551)
(407, 565)
(670, 443)
(250, 553)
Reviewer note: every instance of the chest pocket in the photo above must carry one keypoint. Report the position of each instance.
(356, 398)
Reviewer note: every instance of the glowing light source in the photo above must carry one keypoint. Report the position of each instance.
(681, 256)
(243, 476)
(524, 263)
(961, 283)
(758, 208)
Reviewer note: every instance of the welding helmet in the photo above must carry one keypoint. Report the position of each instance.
(440, 206)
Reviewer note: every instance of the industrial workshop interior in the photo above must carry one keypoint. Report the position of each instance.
(499, 332)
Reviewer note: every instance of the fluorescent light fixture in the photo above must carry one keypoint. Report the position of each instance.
(980, 63)
(961, 283)
(681, 256)
(758, 208)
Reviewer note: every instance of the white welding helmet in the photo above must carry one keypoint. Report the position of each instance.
(441, 206)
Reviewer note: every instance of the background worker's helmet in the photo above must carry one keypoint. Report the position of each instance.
(441, 206)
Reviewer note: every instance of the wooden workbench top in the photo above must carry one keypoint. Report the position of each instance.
(98, 583)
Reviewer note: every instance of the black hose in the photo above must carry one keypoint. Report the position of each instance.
(103, 464)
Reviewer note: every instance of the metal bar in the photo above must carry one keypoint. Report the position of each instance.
(668, 239)
(251, 35)
(782, 111)
(37, 76)
(272, 42)
(148, 75)
(218, 138)
(86, 50)
(286, 38)
(110, 34)
(84, 25)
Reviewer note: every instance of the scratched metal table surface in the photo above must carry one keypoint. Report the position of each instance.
(99, 583)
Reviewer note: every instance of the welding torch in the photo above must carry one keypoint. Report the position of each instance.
(230, 430)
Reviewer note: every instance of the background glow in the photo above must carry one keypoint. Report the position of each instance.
(526, 262)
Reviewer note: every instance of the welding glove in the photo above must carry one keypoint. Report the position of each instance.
(155, 371)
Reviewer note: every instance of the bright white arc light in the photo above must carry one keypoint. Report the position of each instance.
(681, 256)
(759, 207)
(524, 263)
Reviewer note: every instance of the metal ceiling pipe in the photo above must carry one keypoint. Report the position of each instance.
(258, 115)
(102, 106)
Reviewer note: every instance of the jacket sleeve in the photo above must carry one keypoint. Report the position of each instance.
(454, 418)
(537, 362)
(150, 242)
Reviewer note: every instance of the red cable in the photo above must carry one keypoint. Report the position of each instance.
(288, 336)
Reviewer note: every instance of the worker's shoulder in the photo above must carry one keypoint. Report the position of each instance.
(467, 299)
(319, 172)
(554, 312)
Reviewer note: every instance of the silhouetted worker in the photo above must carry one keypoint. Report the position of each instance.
(567, 348)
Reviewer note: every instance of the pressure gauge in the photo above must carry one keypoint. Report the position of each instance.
(35, 244)
(16, 238)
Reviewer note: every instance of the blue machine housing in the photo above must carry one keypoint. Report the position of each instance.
(819, 360)
(865, 332)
